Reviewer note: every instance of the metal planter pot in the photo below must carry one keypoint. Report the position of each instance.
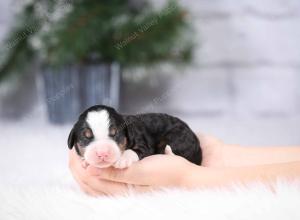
(71, 89)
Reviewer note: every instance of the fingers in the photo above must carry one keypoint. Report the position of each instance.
(131, 175)
(94, 171)
(93, 185)
(86, 188)
(116, 188)
(141, 189)
(79, 174)
(148, 172)
(113, 174)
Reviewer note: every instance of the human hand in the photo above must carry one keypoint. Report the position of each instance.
(212, 151)
(147, 174)
(222, 164)
(153, 171)
(93, 185)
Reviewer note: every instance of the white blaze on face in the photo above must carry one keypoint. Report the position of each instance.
(102, 151)
(99, 123)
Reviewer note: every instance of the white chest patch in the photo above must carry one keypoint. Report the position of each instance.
(99, 123)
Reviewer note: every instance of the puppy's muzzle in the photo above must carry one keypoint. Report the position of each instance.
(102, 153)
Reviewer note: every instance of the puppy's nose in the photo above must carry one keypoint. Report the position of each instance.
(103, 155)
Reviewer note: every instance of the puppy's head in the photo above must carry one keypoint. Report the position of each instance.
(98, 136)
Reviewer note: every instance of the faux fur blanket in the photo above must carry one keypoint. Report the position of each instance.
(61, 201)
(35, 184)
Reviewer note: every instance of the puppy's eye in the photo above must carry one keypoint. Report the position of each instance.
(88, 133)
(112, 131)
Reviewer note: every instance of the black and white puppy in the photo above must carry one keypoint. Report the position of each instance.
(103, 137)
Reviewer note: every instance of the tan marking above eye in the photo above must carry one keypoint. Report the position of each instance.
(88, 133)
(112, 131)
(123, 144)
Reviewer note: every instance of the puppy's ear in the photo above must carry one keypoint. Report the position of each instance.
(71, 139)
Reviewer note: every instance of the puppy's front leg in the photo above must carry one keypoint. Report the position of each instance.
(127, 158)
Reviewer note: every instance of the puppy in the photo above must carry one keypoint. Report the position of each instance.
(103, 137)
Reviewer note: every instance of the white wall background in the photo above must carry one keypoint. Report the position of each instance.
(248, 60)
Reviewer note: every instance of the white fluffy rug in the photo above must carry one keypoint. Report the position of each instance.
(35, 184)
(62, 202)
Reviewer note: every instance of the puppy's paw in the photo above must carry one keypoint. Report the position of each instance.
(127, 158)
(168, 150)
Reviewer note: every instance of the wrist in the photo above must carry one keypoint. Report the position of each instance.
(233, 155)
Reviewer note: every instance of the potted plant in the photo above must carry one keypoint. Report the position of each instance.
(82, 47)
